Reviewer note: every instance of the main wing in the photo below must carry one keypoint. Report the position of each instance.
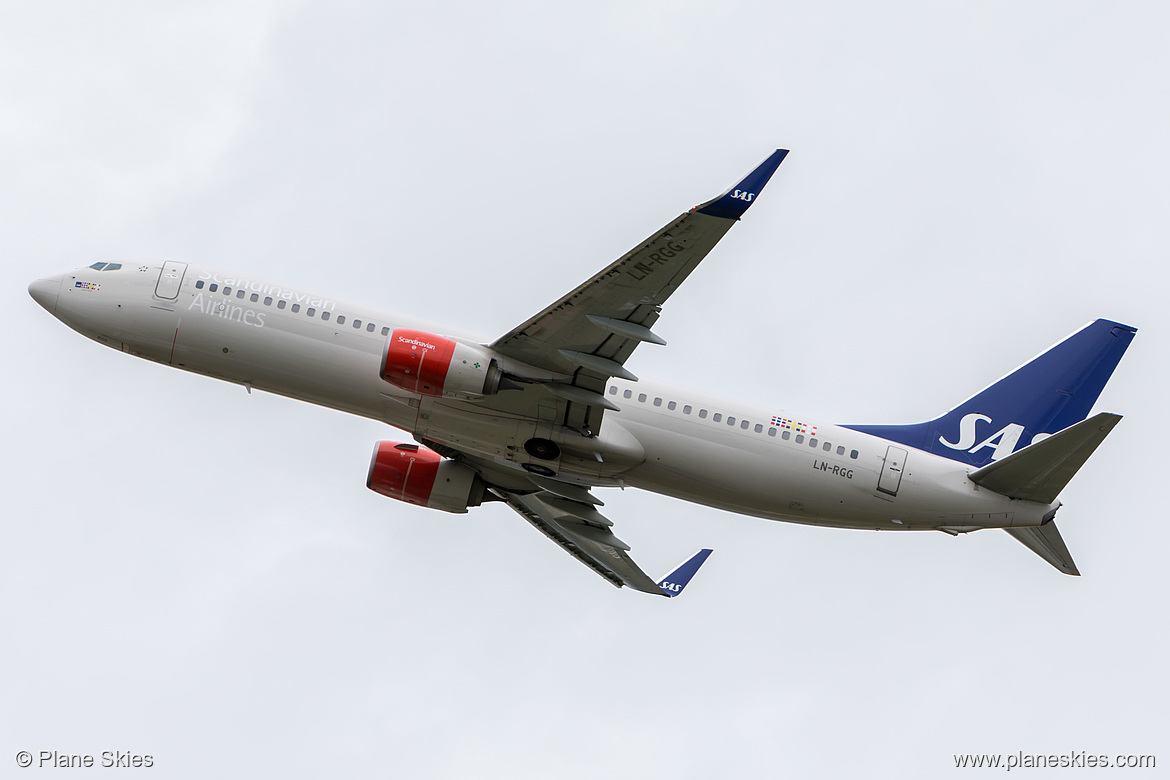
(585, 534)
(579, 342)
(590, 333)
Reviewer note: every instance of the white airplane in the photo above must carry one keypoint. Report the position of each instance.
(539, 416)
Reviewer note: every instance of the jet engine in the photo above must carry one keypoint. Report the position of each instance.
(432, 365)
(420, 476)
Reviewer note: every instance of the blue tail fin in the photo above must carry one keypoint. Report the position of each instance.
(1048, 394)
(672, 584)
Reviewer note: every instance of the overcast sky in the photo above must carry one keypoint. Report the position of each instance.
(200, 575)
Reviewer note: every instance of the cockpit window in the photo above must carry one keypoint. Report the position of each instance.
(106, 266)
(98, 266)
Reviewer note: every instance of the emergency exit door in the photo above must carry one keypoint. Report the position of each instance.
(891, 476)
(169, 280)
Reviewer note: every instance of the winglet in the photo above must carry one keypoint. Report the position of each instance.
(733, 203)
(672, 584)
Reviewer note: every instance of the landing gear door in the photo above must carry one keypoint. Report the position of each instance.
(169, 280)
(892, 468)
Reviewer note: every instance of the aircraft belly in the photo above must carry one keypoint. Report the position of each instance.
(731, 472)
(764, 478)
(307, 362)
(147, 331)
(468, 428)
(125, 324)
(492, 433)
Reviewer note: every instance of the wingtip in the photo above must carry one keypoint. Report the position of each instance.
(672, 584)
(736, 201)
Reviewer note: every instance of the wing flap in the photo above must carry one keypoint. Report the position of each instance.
(574, 527)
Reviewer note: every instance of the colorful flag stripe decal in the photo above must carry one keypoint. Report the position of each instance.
(88, 286)
(793, 425)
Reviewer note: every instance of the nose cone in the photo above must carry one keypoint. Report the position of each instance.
(46, 291)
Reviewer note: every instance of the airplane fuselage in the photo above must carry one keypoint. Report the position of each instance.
(761, 461)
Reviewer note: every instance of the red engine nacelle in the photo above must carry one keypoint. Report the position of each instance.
(420, 476)
(427, 364)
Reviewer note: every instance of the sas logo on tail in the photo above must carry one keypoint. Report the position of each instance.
(1003, 442)
(746, 197)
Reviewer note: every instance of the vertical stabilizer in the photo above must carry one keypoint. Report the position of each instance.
(1051, 392)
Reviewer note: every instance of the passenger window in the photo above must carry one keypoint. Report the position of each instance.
(386, 330)
(786, 435)
(227, 291)
(717, 416)
(240, 294)
(671, 406)
(341, 319)
(199, 285)
(296, 307)
(281, 303)
(800, 438)
(613, 390)
(771, 431)
(370, 327)
(702, 414)
(641, 398)
(255, 297)
(687, 409)
(840, 450)
(325, 315)
(628, 394)
(827, 447)
(731, 421)
(760, 429)
(268, 301)
(310, 311)
(357, 324)
(853, 454)
(745, 425)
(213, 287)
(813, 443)
(658, 402)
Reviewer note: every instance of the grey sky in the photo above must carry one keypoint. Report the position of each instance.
(199, 574)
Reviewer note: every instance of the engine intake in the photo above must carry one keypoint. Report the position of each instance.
(421, 476)
(433, 365)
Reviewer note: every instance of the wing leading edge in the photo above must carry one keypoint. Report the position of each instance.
(590, 333)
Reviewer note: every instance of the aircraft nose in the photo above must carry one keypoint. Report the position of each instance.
(46, 291)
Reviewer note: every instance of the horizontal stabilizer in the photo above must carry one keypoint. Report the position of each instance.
(1045, 541)
(1041, 470)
